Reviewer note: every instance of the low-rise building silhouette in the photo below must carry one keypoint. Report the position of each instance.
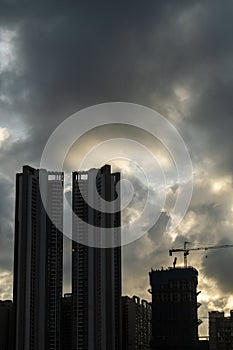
(220, 331)
(136, 323)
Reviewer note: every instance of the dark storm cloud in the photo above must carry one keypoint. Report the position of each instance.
(215, 229)
(217, 264)
(77, 55)
(150, 251)
(211, 229)
(71, 56)
(157, 231)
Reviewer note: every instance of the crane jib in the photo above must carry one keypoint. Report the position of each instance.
(186, 250)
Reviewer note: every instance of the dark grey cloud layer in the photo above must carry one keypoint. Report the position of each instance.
(71, 56)
(6, 225)
(174, 56)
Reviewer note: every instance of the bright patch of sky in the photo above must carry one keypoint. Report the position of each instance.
(4, 135)
(7, 49)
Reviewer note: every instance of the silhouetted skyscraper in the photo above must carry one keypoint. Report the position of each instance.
(38, 260)
(6, 325)
(96, 272)
(66, 322)
(174, 309)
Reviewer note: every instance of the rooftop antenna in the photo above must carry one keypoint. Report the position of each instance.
(186, 253)
(174, 262)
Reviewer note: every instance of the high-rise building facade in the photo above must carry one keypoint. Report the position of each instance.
(38, 259)
(66, 322)
(96, 271)
(220, 331)
(174, 309)
(136, 323)
(6, 325)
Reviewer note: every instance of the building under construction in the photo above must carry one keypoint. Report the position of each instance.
(174, 309)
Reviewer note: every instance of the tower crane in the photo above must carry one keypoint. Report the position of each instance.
(186, 250)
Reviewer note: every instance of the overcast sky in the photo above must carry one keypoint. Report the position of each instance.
(176, 57)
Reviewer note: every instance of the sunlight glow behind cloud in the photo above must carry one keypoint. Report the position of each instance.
(4, 135)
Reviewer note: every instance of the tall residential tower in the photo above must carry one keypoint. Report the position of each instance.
(38, 260)
(96, 271)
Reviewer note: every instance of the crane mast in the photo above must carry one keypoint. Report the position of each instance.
(186, 250)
